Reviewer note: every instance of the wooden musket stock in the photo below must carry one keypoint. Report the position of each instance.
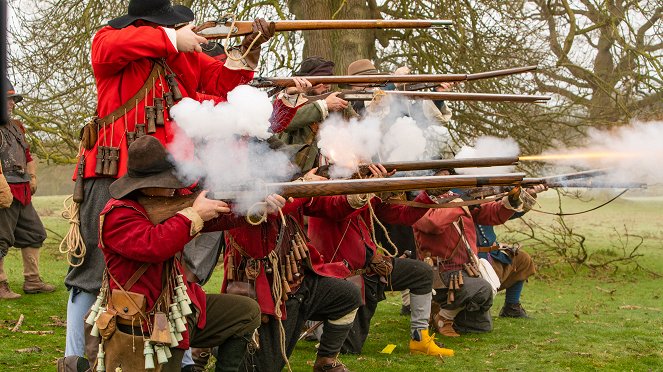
(382, 80)
(221, 28)
(375, 185)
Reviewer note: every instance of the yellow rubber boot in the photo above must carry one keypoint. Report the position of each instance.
(427, 346)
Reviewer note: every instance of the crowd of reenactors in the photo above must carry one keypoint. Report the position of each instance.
(315, 267)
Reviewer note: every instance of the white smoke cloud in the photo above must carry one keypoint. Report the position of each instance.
(488, 146)
(227, 155)
(384, 134)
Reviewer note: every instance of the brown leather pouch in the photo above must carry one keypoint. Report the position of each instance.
(381, 265)
(107, 323)
(123, 302)
(89, 135)
(437, 279)
(241, 288)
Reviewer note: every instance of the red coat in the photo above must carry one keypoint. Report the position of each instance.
(121, 61)
(435, 233)
(259, 241)
(346, 239)
(128, 239)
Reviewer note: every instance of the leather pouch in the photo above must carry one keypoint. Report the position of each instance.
(107, 323)
(123, 302)
(437, 279)
(89, 135)
(241, 288)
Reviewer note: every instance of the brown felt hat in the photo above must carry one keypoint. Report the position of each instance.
(148, 166)
(362, 67)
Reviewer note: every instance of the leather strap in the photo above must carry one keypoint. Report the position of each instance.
(134, 278)
(489, 249)
(157, 69)
(129, 297)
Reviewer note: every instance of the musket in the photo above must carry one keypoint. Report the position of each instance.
(383, 80)
(418, 165)
(372, 185)
(358, 95)
(225, 27)
(561, 178)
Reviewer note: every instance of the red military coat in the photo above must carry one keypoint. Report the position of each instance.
(436, 235)
(259, 241)
(122, 61)
(346, 239)
(128, 240)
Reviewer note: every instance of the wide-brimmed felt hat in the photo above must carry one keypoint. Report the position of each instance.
(363, 67)
(315, 66)
(11, 93)
(148, 166)
(161, 12)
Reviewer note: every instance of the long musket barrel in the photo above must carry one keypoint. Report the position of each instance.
(377, 185)
(382, 80)
(446, 96)
(562, 178)
(221, 28)
(588, 184)
(418, 165)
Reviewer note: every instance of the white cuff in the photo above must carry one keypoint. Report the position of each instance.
(322, 106)
(236, 63)
(292, 100)
(196, 221)
(172, 36)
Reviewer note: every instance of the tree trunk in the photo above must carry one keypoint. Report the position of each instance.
(340, 46)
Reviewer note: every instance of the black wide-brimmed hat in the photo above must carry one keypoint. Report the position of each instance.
(158, 11)
(315, 66)
(11, 93)
(148, 166)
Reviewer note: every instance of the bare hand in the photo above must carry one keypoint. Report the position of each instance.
(312, 176)
(301, 86)
(404, 70)
(188, 41)
(209, 209)
(379, 171)
(276, 202)
(533, 190)
(445, 87)
(33, 184)
(334, 103)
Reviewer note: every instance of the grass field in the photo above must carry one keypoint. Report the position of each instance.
(580, 322)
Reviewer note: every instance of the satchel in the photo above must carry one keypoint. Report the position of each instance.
(245, 289)
(489, 274)
(73, 363)
(89, 135)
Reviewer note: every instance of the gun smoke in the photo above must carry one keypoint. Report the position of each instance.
(631, 153)
(488, 146)
(390, 131)
(230, 152)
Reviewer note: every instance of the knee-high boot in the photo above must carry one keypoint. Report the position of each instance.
(33, 282)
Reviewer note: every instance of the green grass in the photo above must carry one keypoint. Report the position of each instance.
(580, 322)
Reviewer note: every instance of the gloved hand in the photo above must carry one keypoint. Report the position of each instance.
(266, 31)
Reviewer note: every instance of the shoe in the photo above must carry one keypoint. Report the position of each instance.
(445, 327)
(33, 282)
(427, 346)
(513, 311)
(6, 293)
(406, 310)
(329, 364)
(37, 286)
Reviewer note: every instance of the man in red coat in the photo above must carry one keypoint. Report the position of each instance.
(132, 242)
(124, 56)
(445, 237)
(350, 240)
(263, 257)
